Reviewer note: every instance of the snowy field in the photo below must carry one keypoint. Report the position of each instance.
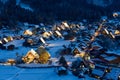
(14, 73)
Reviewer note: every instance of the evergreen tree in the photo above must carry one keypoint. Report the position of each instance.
(63, 62)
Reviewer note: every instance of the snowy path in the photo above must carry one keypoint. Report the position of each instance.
(13, 73)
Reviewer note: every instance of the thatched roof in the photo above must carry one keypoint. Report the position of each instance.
(44, 55)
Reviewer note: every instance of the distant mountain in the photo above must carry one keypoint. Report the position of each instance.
(3, 1)
(102, 3)
(47, 11)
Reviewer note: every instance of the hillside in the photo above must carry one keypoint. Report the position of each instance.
(36, 11)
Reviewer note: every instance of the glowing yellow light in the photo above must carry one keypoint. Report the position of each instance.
(28, 32)
(115, 14)
(96, 33)
(117, 32)
(65, 24)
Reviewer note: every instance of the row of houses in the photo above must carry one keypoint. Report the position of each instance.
(61, 31)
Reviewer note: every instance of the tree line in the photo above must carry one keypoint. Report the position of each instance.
(48, 11)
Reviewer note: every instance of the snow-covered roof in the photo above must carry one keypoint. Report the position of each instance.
(117, 52)
(43, 41)
(33, 51)
(77, 49)
(110, 58)
(104, 55)
(26, 6)
(98, 72)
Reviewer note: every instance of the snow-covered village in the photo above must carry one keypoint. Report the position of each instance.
(63, 50)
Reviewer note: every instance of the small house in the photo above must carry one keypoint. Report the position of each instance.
(96, 73)
(28, 32)
(112, 36)
(42, 40)
(11, 47)
(58, 34)
(65, 24)
(110, 58)
(32, 41)
(44, 55)
(10, 38)
(0, 42)
(30, 56)
(10, 62)
(61, 71)
(46, 34)
(28, 42)
(117, 32)
(69, 36)
(76, 51)
(4, 40)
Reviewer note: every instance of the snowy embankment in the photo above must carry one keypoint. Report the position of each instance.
(33, 65)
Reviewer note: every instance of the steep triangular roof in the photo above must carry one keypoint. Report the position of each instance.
(44, 55)
(33, 52)
(76, 49)
(41, 50)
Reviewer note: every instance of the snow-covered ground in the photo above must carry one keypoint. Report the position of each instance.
(16, 73)
(6, 54)
(53, 46)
